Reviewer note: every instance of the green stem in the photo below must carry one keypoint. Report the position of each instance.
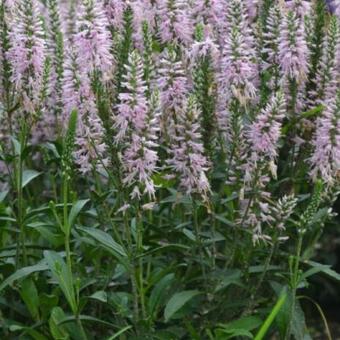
(80, 325)
(66, 226)
(20, 214)
(139, 223)
(199, 242)
(263, 275)
(295, 282)
(134, 294)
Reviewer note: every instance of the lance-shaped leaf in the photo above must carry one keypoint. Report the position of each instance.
(61, 273)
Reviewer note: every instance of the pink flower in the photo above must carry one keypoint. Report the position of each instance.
(238, 69)
(27, 54)
(133, 108)
(252, 8)
(264, 132)
(93, 40)
(175, 25)
(78, 95)
(187, 151)
(204, 48)
(326, 156)
(90, 153)
(137, 130)
(293, 48)
(114, 10)
(173, 85)
(293, 56)
(271, 42)
(300, 7)
(143, 11)
(329, 70)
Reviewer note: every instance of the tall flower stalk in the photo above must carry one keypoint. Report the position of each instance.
(203, 57)
(27, 59)
(174, 87)
(187, 151)
(93, 40)
(293, 56)
(137, 127)
(238, 68)
(328, 71)
(56, 48)
(175, 25)
(136, 123)
(263, 135)
(326, 156)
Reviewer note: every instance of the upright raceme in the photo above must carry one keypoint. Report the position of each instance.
(93, 40)
(329, 70)
(27, 55)
(56, 53)
(271, 42)
(174, 88)
(175, 24)
(263, 136)
(136, 126)
(326, 156)
(293, 58)
(187, 152)
(78, 95)
(265, 132)
(238, 67)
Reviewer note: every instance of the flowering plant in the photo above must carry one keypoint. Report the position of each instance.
(167, 167)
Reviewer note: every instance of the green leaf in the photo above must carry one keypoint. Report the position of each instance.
(76, 208)
(105, 241)
(235, 333)
(58, 332)
(30, 296)
(314, 112)
(3, 195)
(159, 292)
(61, 273)
(100, 296)
(283, 317)
(47, 303)
(85, 318)
(260, 268)
(298, 323)
(232, 276)
(34, 335)
(45, 231)
(247, 323)
(53, 148)
(28, 176)
(270, 318)
(120, 332)
(23, 272)
(317, 268)
(177, 301)
(17, 146)
(224, 220)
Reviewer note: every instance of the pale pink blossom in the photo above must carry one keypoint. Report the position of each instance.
(136, 126)
(187, 152)
(175, 24)
(325, 160)
(93, 40)
(27, 54)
